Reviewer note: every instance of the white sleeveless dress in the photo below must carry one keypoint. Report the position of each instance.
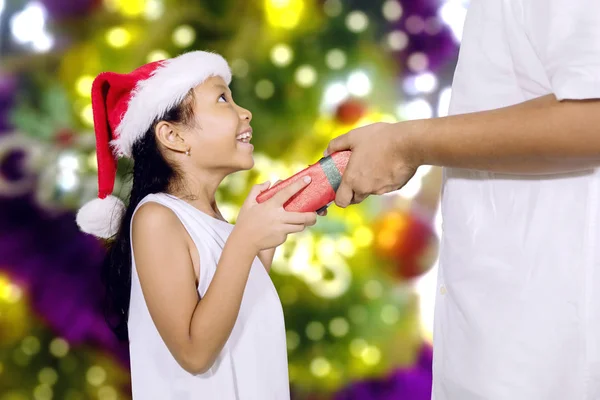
(253, 363)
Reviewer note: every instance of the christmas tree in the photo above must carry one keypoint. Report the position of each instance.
(308, 70)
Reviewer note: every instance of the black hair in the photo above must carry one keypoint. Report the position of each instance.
(151, 173)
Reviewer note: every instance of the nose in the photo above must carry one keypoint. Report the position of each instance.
(244, 114)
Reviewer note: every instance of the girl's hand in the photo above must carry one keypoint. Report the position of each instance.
(267, 225)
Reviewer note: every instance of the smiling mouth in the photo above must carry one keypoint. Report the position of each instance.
(244, 137)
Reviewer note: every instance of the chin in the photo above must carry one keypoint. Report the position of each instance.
(248, 165)
(244, 163)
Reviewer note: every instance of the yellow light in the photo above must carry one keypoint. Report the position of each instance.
(184, 36)
(338, 281)
(118, 37)
(354, 216)
(42, 392)
(323, 126)
(371, 355)
(386, 118)
(157, 55)
(346, 247)
(87, 115)
(390, 314)
(315, 331)
(130, 8)
(320, 367)
(357, 346)
(373, 289)
(4, 285)
(96, 375)
(229, 211)
(48, 376)
(306, 76)
(284, 13)
(326, 250)
(107, 393)
(339, 327)
(9, 292)
(84, 85)
(59, 347)
(363, 236)
(154, 9)
(264, 89)
(282, 55)
(313, 274)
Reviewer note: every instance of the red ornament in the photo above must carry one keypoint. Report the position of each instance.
(64, 137)
(407, 240)
(350, 111)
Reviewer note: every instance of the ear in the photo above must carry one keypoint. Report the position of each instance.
(168, 135)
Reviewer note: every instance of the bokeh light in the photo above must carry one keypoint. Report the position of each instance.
(335, 59)
(84, 85)
(282, 55)
(359, 84)
(118, 37)
(184, 36)
(357, 21)
(284, 13)
(332, 8)
(306, 76)
(264, 89)
(157, 55)
(397, 40)
(392, 10)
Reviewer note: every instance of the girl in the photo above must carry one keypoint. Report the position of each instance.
(190, 290)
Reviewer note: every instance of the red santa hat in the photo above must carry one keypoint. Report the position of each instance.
(125, 106)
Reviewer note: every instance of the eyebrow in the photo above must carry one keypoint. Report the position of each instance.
(220, 86)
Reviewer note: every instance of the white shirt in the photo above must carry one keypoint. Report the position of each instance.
(253, 363)
(518, 303)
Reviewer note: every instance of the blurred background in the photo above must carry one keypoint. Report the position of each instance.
(357, 289)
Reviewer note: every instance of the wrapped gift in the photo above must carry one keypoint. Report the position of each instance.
(326, 176)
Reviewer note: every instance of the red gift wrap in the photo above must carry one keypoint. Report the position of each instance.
(326, 176)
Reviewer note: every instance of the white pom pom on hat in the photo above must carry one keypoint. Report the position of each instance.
(125, 106)
(101, 217)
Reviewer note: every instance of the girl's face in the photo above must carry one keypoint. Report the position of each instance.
(219, 136)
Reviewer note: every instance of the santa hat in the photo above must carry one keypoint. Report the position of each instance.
(125, 106)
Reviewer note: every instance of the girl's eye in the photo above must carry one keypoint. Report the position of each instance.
(222, 98)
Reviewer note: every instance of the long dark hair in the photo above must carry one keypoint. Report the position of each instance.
(151, 174)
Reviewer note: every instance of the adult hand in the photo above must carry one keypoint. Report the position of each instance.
(381, 161)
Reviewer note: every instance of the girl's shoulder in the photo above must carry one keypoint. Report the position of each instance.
(151, 214)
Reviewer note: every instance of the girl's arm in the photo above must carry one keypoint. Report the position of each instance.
(266, 257)
(194, 331)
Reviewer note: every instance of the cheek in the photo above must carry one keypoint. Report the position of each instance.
(222, 122)
(217, 131)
